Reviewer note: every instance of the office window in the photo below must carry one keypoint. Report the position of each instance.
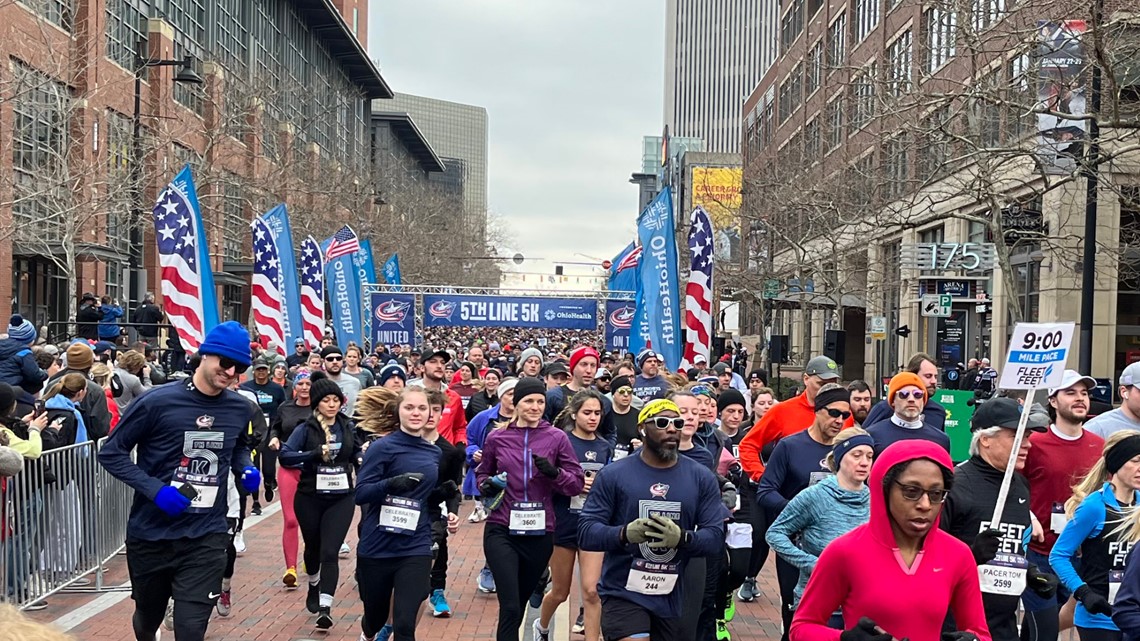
(940, 37)
(120, 158)
(935, 150)
(791, 93)
(897, 161)
(866, 18)
(863, 98)
(126, 22)
(236, 227)
(900, 57)
(229, 36)
(834, 116)
(812, 141)
(814, 68)
(837, 42)
(791, 24)
(41, 110)
(988, 12)
(61, 13)
(188, 17)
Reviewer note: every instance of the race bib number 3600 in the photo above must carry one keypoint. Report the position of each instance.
(527, 519)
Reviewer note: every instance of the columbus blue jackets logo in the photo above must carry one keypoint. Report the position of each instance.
(442, 309)
(591, 455)
(392, 311)
(658, 490)
(622, 317)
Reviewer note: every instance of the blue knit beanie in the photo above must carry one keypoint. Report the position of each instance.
(388, 371)
(229, 340)
(21, 330)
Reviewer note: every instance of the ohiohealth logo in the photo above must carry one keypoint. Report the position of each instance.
(442, 309)
(622, 317)
(392, 311)
(550, 314)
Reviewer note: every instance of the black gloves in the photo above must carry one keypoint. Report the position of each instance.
(985, 547)
(1093, 602)
(443, 492)
(545, 466)
(492, 485)
(959, 636)
(1043, 584)
(404, 482)
(865, 630)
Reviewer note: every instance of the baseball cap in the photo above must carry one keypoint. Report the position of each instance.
(554, 368)
(1070, 378)
(263, 361)
(720, 368)
(432, 353)
(823, 367)
(602, 373)
(1000, 412)
(1131, 375)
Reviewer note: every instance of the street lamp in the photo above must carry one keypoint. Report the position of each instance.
(186, 75)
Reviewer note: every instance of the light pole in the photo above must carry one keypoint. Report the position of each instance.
(186, 75)
(1092, 182)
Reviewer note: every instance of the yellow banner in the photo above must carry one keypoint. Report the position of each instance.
(717, 190)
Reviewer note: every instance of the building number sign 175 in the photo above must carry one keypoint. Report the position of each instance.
(948, 256)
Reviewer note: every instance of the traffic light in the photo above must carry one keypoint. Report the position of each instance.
(903, 331)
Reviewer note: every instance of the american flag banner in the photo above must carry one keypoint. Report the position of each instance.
(265, 294)
(344, 243)
(698, 291)
(312, 292)
(187, 280)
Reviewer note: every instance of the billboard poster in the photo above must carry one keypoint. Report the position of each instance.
(451, 310)
(393, 319)
(717, 191)
(619, 320)
(1061, 94)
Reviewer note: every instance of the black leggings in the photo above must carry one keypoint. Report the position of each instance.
(760, 547)
(377, 580)
(787, 575)
(231, 551)
(517, 563)
(1098, 634)
(324, 522)
(711, 601)
(439, 564)
(1041, 625)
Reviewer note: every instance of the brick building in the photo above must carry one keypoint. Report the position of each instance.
(281, 115)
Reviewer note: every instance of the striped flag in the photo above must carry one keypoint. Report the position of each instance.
(265, 295)
(344, 243)
(698, 291)
(312, 292)
(187, 283)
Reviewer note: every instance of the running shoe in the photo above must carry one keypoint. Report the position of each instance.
(730, 610)
(440, 608)
(579, 626)
(540, 590)
(748, 590)
(239, 542)
(722, 631)
(290, 578)
(36, 606)
(168, 619)
(224, 605)
(344, 551)
(256, 511)
(478, 514)
(313, 599)
(486, 580)
(364, 638)
(269, 493)
(538, 634)
(324, 619)
(385, 633)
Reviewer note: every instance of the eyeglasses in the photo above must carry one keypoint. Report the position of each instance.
(624, 390)
(333, 359)
(834, 413)
(916, 394)
(229, 363)
(664, 422)
(914, 493)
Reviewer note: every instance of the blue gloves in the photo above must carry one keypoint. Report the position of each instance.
(171, 501)
(250, 479)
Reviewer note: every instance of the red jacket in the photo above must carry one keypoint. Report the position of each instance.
(453, 423)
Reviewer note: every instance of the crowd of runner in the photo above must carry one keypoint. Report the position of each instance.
(664, 493)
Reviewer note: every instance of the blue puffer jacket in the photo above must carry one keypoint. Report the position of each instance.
(109, 324)
(18, 367)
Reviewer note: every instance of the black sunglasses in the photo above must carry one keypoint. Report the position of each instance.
(664, 422)
(229, 363)
(334, 358)
(914, 493)
(834, 413)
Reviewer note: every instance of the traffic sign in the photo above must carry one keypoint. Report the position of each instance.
(879, 327)
(936, 305)
(1037, 355)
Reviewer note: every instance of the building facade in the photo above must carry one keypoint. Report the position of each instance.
(272, 106)
(715, 53)
(897, 150)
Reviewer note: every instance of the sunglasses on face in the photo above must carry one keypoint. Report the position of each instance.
(916, 394)
(664, 422)
(228, 363)
(333, 359)
(834, 413)
(914, 493)
(624, 390)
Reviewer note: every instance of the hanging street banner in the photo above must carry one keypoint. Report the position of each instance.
(342, 286)
(1061, 94)
(657, 271)
(619, 320)
(446, 310)
(277, 220)
(1037, 355)
(393, 319)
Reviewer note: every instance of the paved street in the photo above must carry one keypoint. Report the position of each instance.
(265, 611)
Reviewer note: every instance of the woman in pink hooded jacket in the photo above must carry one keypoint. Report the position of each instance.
(898, 575)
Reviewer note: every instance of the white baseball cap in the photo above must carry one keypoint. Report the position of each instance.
(1131, 375)
(1070, 378)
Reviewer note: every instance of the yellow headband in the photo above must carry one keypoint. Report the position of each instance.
(655, 407)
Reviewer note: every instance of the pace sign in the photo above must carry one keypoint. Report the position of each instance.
(948, 256)
(1037, 355)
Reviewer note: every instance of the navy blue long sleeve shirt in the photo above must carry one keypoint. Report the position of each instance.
(1126, 608)
(184, 435)
(797, 462)
(395, 454)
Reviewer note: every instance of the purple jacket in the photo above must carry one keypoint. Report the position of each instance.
(509, 450)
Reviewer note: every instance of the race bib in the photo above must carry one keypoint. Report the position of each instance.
(816, 477)
(527, 519)
(1057, 518)
(1004, 575)
(399, 515)
(620, 453)
(200, 464)
(654, 579)
(577, 503)
(1115, 578)
(332, 479)
(207, 493)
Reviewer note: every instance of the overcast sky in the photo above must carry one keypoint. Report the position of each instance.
(570, 87)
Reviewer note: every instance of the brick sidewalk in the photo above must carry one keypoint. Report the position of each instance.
(263, 610)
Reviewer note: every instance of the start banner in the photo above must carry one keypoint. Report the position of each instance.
(619, 319)
(448, 310)
(393, 319)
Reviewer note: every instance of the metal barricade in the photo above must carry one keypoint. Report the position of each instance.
(64, 516)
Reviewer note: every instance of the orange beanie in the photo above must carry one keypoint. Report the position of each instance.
(901, 380)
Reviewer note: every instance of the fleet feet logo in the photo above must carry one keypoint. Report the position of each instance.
(392, 311)
(622, 317)
(442, 309)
